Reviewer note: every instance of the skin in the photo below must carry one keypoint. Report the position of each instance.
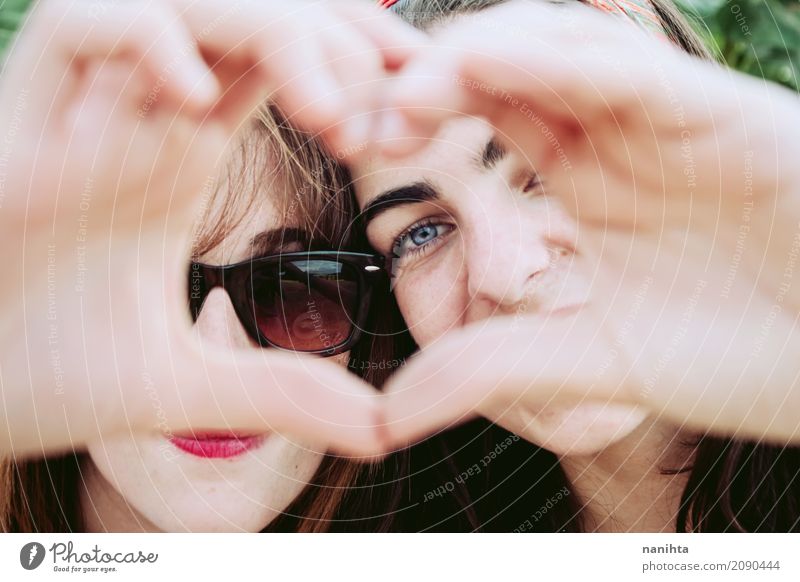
(142, 482)
(492, 242)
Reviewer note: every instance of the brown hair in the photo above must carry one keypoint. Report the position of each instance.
(732, 485)
(41, 495)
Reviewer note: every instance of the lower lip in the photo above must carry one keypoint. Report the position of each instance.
(216, 446)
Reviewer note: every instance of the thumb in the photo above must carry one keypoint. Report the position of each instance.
(506, 361)
(278, 391)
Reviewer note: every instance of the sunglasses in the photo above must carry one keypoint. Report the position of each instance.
(312, 301)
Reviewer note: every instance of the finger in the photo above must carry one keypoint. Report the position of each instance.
(398, 134)
(359, 71)
(104, 88)
(288, 42)
(549, 73)
(277, 39)
(395, 40)
(429, 91)
(282, 392)
(501, 361)
(305, 87)
(242, 94)
(164, 50)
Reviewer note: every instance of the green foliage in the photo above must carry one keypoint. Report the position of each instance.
(759, 37)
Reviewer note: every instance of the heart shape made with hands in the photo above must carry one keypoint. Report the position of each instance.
(665, 326)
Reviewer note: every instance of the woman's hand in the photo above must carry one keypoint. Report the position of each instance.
(116, 116)
(681, 175)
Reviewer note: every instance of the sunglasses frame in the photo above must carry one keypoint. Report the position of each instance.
(235, 281)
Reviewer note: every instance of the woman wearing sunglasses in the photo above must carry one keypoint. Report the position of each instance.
(100, 193)
(251, 286)
(642, 343)
(135, 390)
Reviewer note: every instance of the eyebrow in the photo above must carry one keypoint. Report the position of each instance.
(410, 194)
(493, 152)
(276, 240)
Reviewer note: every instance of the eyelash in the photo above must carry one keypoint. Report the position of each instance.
(424, 248)
(533, 184)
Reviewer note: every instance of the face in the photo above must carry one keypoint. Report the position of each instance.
(213, 483)
(476, 235)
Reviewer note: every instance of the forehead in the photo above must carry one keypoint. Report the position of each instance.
(454, 151)
(262, 215)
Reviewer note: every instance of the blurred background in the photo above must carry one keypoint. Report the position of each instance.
(759, 37)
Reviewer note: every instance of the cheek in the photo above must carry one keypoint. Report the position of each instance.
(131, 464)
(433, 298)
(128, 472)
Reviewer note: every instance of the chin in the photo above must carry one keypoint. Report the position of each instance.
(213, 514)
(157, 486)
(586, 429)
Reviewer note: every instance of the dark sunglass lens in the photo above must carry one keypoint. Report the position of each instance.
(309, 306)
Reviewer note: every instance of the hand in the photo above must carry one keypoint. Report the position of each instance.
(118, 114)
(679, 174)
(615, 119)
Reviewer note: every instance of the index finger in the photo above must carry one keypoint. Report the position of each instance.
(484, 367)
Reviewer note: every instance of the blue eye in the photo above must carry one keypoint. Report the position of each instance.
(419, 237)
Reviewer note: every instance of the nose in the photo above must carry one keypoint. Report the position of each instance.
(218, 323)
(505, 252)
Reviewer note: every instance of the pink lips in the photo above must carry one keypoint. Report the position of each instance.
(216, 445)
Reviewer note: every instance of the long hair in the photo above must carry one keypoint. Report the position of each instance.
(732, 485)
(41, 495)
